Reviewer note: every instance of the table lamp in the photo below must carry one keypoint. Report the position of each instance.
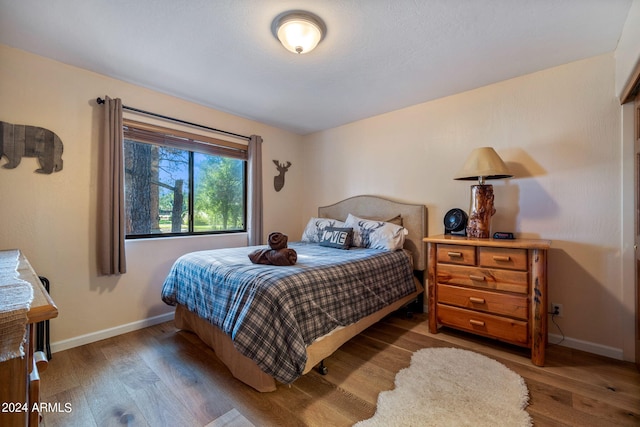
(482, 164)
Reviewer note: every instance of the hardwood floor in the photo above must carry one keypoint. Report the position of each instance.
(160, 376)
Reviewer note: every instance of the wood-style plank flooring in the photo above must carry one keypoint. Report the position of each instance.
(160, 376)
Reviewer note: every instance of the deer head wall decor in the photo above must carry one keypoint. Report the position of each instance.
(278, 180)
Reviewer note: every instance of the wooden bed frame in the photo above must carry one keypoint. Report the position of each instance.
(414, 219)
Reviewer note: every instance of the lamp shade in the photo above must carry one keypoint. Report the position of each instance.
(483, 163)
(298, 31)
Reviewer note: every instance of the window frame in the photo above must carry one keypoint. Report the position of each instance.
(192, 143)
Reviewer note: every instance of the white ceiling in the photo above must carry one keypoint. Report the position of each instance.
(377, 56)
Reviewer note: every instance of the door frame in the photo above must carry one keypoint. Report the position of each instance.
(636, 188)
(631, 95)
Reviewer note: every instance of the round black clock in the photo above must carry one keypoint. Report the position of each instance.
(455, 222)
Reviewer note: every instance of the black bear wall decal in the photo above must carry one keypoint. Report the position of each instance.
(18, 141)
(278, 180)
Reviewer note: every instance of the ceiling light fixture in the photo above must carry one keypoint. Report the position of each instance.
(298, 31)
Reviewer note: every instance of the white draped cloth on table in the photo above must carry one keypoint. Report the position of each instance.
(15, 300)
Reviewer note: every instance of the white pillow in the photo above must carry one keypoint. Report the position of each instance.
(376, 234)
(315, 228)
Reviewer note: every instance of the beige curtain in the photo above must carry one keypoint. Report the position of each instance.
(254, 199)
(111, 221)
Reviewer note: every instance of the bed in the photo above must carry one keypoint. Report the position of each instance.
(306, 318)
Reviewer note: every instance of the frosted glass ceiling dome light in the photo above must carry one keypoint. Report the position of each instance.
(298, 31)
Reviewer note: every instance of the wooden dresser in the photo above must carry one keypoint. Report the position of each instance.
(19, 377)
(496, 288)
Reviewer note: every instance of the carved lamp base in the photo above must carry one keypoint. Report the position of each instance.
(481, 211)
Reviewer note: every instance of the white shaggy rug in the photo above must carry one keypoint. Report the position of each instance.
(453, 387)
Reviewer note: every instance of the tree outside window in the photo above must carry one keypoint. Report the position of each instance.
(174, 191)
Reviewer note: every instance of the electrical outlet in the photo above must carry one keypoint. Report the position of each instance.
(556, 309)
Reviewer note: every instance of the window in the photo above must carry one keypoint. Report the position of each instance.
(178, 183)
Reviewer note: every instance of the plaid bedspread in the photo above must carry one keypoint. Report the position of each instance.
(272, 313)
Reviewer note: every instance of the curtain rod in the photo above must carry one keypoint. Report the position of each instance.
(101, 101)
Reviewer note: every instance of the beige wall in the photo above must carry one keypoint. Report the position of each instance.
(52, 217)
(559, 132)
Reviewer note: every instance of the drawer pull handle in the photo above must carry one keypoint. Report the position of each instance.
(454, 254)
(476, 300)
(502, 258)
(477, 278)
(476, 322)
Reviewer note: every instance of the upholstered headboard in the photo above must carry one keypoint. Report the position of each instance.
(414, 219)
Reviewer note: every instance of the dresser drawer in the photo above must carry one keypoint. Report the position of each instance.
(503, 328)
(490, 287)
(513, 259)
(483, 278)
(492, 302)
(457, 254)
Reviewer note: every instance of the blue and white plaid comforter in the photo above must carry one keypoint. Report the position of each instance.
(272, 313)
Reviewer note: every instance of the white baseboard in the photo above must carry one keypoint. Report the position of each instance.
(590, 347)
(601, 350)
(108, 333)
